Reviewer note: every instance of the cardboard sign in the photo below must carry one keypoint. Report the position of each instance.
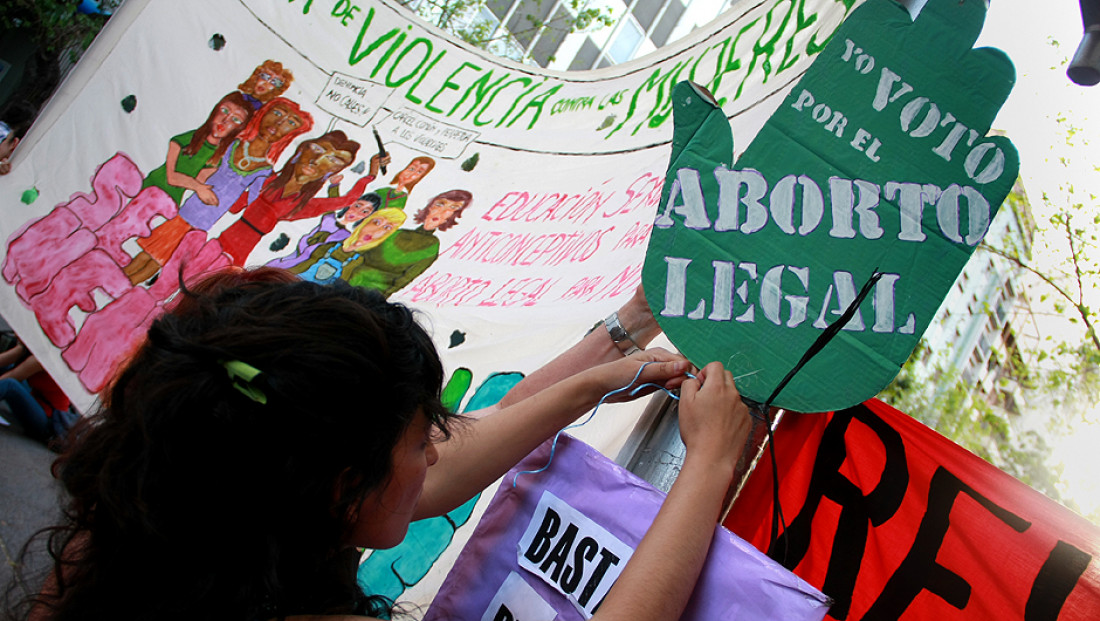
(877, 161)
(894, 521)
(572, 553)
(567, 532)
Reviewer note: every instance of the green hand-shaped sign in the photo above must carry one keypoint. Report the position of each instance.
(878, 160)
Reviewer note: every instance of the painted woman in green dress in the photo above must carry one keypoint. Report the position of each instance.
(193, 156)
(403, 182)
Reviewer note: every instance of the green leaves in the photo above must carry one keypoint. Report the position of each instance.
(55, 25)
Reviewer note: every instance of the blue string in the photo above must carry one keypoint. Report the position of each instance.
(633, 393)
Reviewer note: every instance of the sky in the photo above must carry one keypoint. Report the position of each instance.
(1043, 91)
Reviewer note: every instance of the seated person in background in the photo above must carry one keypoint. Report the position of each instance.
(14, 124)
(37, 403)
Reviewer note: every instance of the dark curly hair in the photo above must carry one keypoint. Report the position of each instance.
(191, 500)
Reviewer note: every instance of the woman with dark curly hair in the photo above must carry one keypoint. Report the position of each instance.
(269, 427)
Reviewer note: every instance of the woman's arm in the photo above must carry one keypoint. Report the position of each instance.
(13, 355)
(25, 369)
(594, 349)
(660, 577)
(714, 423)
(657, 582)
(321, 205)
(187, 182)
(549, 412)
(482, 450)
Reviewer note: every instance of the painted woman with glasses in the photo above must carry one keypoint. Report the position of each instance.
(268, 81)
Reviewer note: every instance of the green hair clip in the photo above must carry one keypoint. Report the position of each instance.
(242, 375)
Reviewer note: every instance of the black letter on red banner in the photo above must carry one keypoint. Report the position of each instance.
(1055, 582)
(857, 510)
(919, 570)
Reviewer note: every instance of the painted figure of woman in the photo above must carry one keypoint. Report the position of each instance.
(268, 81)
(249, 160)
(327, 262)
(192, 158)
(403, 256)
(190, 153)
(290, 195)
(404, 182)
(333, 227)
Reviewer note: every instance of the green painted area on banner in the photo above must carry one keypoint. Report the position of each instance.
(878, 159)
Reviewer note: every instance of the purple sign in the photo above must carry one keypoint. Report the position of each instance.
(552, 546)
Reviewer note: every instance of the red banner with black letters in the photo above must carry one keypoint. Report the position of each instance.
(894, 521)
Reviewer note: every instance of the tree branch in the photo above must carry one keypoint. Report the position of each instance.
(1078, 306)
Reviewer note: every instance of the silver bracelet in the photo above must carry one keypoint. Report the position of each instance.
(619, 334)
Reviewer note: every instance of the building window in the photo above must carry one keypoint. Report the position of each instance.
(527, 14)
(668, 22)
(970, 375)
(645, 11)
(499, 8)
(586, 56)
(984, 344)
(973, 371)
(551, 38)
(486, 14)
(503, 46)
(626, 42)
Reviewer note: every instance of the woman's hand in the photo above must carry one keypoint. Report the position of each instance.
(377, 162)
(714, 421)
(206, 194)
(485, 448)
(657, 366)
(659, 578)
